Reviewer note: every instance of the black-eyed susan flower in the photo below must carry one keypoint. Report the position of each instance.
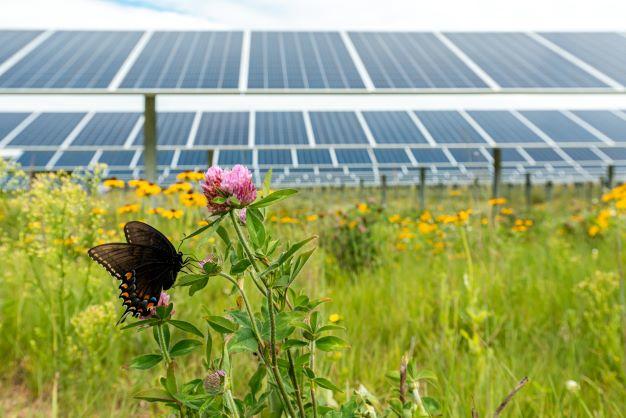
(113, 183)
(128, 208)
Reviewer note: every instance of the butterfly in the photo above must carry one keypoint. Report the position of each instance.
(146, 264)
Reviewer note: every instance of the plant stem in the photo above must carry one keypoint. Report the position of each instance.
(164, 350)
(294, 381)
(312, 384)
(228, 396)
(243, 241)
(279, 380)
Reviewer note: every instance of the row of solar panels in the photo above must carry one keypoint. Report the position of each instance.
(319, 61)
(328, 157)
(245, 130)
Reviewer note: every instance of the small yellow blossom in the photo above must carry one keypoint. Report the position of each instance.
(498, 201)
(506, 211)
(363, 208)
(172, 213)
(395, 218)
(288, 220)
(334, 318)
(129, 208)
(113, 183)
(312, 218)
(98, 211)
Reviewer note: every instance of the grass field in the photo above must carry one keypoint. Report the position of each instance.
(489, 296)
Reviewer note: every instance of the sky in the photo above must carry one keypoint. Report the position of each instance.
(316, 14)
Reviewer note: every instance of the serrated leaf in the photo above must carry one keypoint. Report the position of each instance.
(331, 343)
(145, 361)
(184, 347)
(222, 325)
(187, 327)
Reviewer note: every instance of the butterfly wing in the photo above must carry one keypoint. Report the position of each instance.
(143, 271)
(143, 234)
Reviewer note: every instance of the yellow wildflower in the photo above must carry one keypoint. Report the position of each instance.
(506, 211)
(113, 183)
(312, 218)
(363, 208)
(178, 188)
(593, 230)
(129, 208)
(172, 214)
(288, 220)
(98, 211)
(498, 201)
(334, 318)
(394, 218)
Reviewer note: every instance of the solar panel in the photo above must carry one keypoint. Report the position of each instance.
(467, 155)
(606, 122)
(193, 158)
(274, 157)
(232, 157)
(12, 41)
(116, 158)
(391, 156)
(353, 156)
(393, 128)
(71, 159)
(31, 159)
(615, 154)
(604, 51)
(172, 128)
(581, 154)
(510, 155)
(188, 60)
(429, 156)
(543, 155)
(9, 121)
(412, 60)
(449, 127)
(503, 127)
(280, 128)
(300, 60)
(106, 129)
(223, 128)
(337, 128)
(72, 59)
(514, 60)
(314, 157)
(164, 158)
(47, 130)
(559, 127)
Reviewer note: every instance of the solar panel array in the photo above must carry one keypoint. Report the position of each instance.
(340, 146)
(261, 61)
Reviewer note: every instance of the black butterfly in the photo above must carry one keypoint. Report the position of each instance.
(146, 264)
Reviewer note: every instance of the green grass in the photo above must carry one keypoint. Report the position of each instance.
(491, 307)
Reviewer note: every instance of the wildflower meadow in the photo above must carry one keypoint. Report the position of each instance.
(312, 302)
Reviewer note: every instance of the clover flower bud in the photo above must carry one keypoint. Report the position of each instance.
(214, 382)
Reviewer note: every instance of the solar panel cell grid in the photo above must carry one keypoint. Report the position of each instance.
(9, 121)
(429, 156)
(610, 124)
(195, 158)
(337, 128)
(391, 156)
(48, 129)
(412, 60)
(186, 60)
(223, 128)
(70, 159)
(615, 154)
(393, 128)
(581, 154)
(504, 127)
(280, 128)
(300, 60)
(449, 127)
(542, 155)
(11, 41)
(232, 157)
(515, 60)
(106, 129)
(164, 158)
(72, 59)
(604, 51)
(274, 157)
(116, 158)
(353, 156)
(559, 127)
(463, 155)
(313, 157)
(172, 128)
(32, 159)
(510, 155)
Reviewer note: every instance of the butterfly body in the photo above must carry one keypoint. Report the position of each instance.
(146, 265)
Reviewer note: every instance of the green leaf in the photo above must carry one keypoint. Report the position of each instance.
(294, 343)
(223, 234)
(243, 340)
(331, 343)
(267, 182)
(188, 279)
(330, 327)
(145, 361)
(204, 228)
(187, 327)
(184, 347)
(326, 384)
(199, 285)
(292, 250)
(146, 322)
(240, 266)
(170, 380)
(222, 325)
(273, 198)
(432, 406)
(256, 229)
(209, 346)
(154, 395)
